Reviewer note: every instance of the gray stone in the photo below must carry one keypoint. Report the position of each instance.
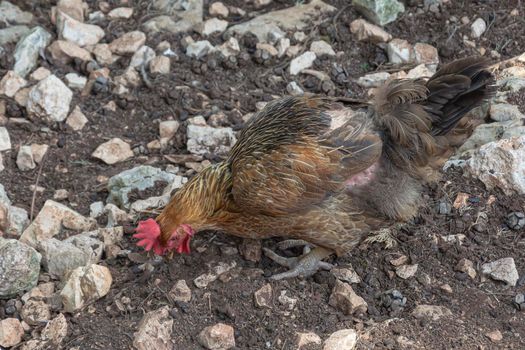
(49, 100)
(293, 89)
(61, 257)
(19, 267)
(502, 270)
(142, 57)
(380, 12)
(82, 34)
(11, 14)
(434, 312)
(300, 63)
(478, 27)
(24, 159)
(211, 26)
(18, 219)
(486, 133)
(343, 339)
(400, 51)
(373, 79)
(28, 49)
(12, 34)
(199, 49)
(139, 178)
(205, 139)
(322, 48)
(179, 16)
(501, 112)
(294, 18)
(500, 164)
(218, 336)
(113, 151)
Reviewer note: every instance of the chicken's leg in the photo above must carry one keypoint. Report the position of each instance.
(304, 265)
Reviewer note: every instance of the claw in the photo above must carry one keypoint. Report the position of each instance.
(303, 266)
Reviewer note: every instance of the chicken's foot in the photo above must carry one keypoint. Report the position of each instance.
(304, 265)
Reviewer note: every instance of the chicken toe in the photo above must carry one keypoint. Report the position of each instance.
(303, 266)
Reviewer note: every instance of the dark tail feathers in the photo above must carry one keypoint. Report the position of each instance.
(416, 118)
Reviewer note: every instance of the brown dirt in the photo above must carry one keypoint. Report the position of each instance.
(479, 306)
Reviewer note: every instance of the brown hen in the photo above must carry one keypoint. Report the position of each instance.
(289, 175)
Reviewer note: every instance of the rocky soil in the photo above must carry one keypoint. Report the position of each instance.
(108, 107)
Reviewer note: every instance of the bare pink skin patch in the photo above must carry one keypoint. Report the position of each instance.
(362, 178)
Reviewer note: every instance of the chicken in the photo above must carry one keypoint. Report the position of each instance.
(289, 175)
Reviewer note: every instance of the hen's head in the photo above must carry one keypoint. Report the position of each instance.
(150, 237)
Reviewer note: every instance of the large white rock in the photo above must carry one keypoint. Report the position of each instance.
(500, 164)
(305, 61)
(205, 139)
(50, 220)
(84, 285)
(478, 27)
(400, 51)
(49, 100)
(28, 49)
(113, 151)
(77, 32)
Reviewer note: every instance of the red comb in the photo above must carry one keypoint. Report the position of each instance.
(148, 232)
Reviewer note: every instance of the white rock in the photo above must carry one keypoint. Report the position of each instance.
(478, 27)
(179, 17)
(420, 71)
(28, 49)
(49, 100)
(219, 336)
(343, 339)
(205, 139)
(180, 292)
(154, 331)
(160, 65)
(39, 151)
(96, 209)
(13, 34)
(218, 9)
(211, 26)
(61, 194)
(263, 296)
(434, 312)
(306, 60)
(490, 132)
(77, 32)
(205, 279)
(84, 285)
(121, 12)
(5, 140)
(199, 49)
(75, 81)
(11, 330)
(24, 159)
(282, 46)
(322, 48)
(104, 55)
(76, 120)
(72, 8)
(373, 79)
(65, 51)
(55, 331)
(40, 73)
(425, 53)
(50, 220)
(305, 339)
(11, 14)
(230, 47)
(366, 31)
(113, 151)
(293, 89)
(406, 271)
(399, 51)
(128, 43)
(345, 299)
(500, 164)
(501, 112)
(35, 312)
(11, 83)
(168, 128)
(143, 56)
(502, 270)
